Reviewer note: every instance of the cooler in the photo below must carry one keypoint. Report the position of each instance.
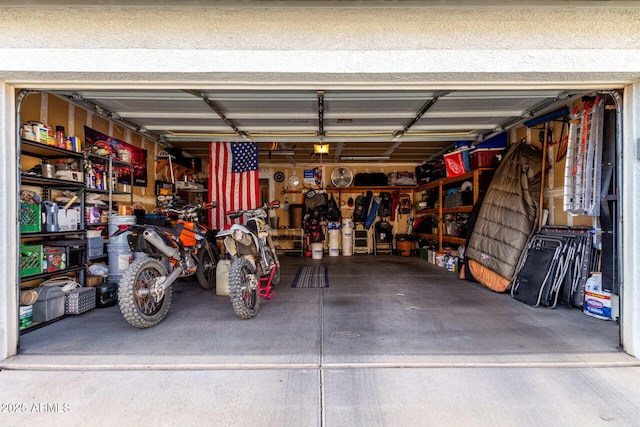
(457, 163)
(485, 157)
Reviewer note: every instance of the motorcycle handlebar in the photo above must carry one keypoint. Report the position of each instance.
(191, 209)
(238, 213)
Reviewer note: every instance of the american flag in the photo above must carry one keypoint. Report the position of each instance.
(233, 178)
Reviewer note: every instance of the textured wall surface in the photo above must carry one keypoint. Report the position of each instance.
(448, 44)
(320, 29)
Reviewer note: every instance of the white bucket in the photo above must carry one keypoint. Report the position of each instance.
(347, 246)
(334, 242)
(222, 277)
(115, 221)
(347, 237)
(317, 250)
(120, 257)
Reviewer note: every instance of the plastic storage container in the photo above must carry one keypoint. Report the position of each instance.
(115, 222)
(334, 242)
(485, 157)
(457, 163)
(404, 244)
(75, 249)
(50, 304)
(30, 260)
(120, 257)
(317, 250)
(95, 247)
(30, 216)
(54, 258)
(498, 141)
(347, 237)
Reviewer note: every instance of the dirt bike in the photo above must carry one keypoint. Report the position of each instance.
(254, 264)
(188, 248)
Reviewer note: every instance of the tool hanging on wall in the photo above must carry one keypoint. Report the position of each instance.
(545, 139)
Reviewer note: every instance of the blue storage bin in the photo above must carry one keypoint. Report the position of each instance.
(498, 141)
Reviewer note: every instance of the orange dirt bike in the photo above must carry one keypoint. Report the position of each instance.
(188, 248)
(254, 263)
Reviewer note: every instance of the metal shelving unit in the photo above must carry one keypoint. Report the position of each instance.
(44, 152)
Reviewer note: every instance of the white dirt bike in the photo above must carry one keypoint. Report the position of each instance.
(254, 264)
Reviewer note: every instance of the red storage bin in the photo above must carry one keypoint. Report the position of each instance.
(484, 157)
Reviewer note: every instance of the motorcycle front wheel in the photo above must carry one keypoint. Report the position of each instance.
(208, 261)
(135, 297)
(243, 289)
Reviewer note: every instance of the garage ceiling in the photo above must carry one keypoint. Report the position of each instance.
(372, 125)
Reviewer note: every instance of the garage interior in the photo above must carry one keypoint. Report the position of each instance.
(367, 131)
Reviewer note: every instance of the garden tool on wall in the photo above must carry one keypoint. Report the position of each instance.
(74, 198)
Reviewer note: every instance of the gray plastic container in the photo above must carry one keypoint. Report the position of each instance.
(50, 303)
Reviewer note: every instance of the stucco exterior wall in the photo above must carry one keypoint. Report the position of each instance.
(436, 47)
(413, 44)
(8, 242)
(631, 230)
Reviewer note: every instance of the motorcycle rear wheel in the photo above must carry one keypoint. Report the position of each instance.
(244, 295)
(208, 261)
(137, 306)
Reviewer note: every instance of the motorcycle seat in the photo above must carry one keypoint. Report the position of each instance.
(175, 230)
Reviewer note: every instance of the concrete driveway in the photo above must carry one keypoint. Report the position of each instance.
(393, 341)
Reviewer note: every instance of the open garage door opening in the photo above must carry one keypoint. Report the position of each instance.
(408, 170)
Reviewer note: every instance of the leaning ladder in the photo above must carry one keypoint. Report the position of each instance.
(584, 158)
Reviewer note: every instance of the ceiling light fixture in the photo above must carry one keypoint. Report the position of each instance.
(321, 148)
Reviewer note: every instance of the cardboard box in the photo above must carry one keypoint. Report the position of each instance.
(69, 175)
(597, 302)
(26, 316)
(92, 281)
(69, 220)
(431, 256)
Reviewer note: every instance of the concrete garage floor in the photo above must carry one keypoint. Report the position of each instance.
(392, 341)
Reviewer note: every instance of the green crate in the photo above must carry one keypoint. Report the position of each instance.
(30, 260)
(30, 218)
